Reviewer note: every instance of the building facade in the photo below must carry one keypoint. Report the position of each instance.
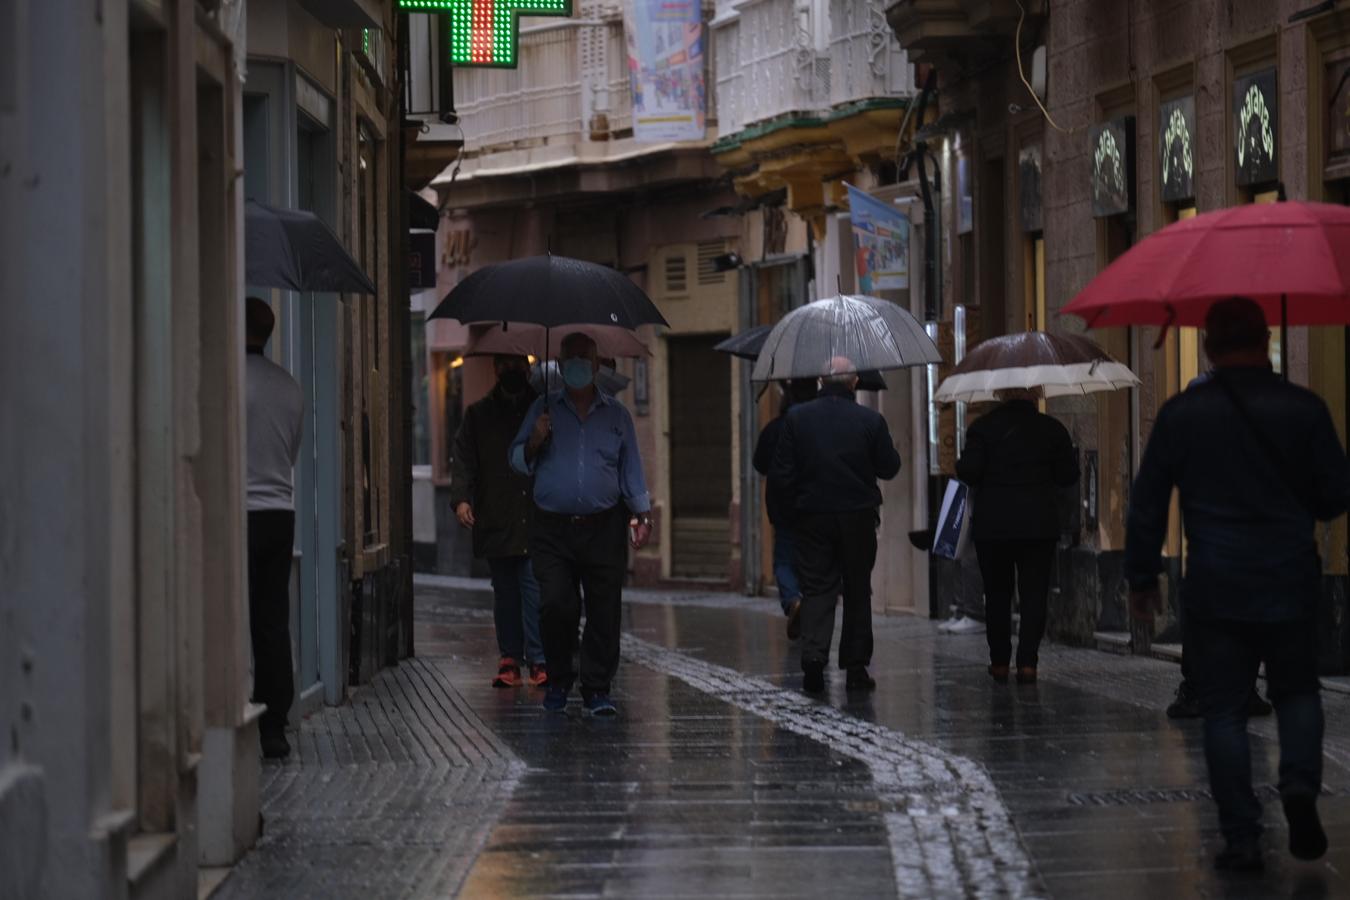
(323, 132)
(131, 134)
(1153, 112)
(724, 233)
(131, 746)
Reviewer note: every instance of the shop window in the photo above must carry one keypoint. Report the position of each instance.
(421, 388)
(446, 391)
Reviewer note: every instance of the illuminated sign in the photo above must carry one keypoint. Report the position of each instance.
(1176, 125)
(486, 32)
(1255, 126)
(1112, 167)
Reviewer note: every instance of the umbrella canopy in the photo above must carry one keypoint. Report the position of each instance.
(553, 291)
(749, 342)
(528, 340)
(1292, 258)
(872, 334)
(295, 250)
(1058, 364)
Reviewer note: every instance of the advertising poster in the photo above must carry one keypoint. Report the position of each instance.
(665, 69)
(880, 243)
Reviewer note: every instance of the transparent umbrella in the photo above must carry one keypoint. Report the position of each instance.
(872, 334)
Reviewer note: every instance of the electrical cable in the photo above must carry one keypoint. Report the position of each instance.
(1021, 73)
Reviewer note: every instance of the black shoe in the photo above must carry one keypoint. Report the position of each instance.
(1186, 705)
(998, 673)
(859, 680)
(1307, 840)
(275, 746)
(1241, 856)
(813, 678)
(794, 620)
(1257, 706)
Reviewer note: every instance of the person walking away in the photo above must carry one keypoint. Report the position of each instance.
(274, 418)
(830, 453)
(493, 500)
(1016, 460)
(1257, 463)
(581, 448)
(779, 506)
(1186, 704)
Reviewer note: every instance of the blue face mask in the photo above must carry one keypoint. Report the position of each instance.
(577, 373)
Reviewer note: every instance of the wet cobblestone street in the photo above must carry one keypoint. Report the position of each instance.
(720, 779)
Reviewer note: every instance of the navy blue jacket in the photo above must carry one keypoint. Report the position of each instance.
(1252, 552)
(1017, 459)
(830, 453)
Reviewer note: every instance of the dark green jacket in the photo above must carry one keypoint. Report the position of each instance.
(480, 473)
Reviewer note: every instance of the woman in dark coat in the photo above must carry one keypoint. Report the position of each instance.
(1015, 461)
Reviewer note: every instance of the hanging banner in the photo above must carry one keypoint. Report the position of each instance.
(665, 69)
(880, 243)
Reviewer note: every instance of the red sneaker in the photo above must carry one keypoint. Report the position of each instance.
(508, 673)
(538, 675)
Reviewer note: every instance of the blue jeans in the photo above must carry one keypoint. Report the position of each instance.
(515, 608)
(784, 566)
(1225, 656)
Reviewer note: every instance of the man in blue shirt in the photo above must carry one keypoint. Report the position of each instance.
(580, 446)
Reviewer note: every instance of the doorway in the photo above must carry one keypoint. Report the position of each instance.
(700, 457)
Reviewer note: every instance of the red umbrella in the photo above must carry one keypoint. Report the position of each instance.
(1293, 258)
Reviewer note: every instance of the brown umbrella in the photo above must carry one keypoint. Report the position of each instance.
(1058, 364)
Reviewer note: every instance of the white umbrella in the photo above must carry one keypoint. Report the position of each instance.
(1060, 365)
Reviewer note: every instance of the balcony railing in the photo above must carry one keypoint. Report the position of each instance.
(782, 57)
(865, 59)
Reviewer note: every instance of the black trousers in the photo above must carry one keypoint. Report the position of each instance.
(835, 553)
(590, 553)
(271, 536)
(1026, 566)
(1225, 657)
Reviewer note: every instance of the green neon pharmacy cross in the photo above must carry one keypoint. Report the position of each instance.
(484, 32)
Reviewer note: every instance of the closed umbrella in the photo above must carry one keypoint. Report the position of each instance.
(552, 291)
(295, 250)
(749, 342)
(1060, 365)
(872, 334)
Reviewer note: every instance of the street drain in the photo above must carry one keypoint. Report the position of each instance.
(1144, 796)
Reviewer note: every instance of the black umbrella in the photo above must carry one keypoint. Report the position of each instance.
(749, 342)
(553, 291)
(294, 249)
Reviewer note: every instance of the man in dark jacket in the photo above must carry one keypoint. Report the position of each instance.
(495, 501)
(778, 504)
(830, 454)
(1257, 463)
(1016, 459)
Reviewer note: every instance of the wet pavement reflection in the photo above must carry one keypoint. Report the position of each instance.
(718, 779)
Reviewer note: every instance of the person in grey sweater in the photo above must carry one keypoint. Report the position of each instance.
(275, 424)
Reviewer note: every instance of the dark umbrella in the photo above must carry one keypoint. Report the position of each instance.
(294, 249)
(553, 291)
(749, 342)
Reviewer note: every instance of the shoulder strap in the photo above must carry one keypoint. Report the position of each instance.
(1268, 448)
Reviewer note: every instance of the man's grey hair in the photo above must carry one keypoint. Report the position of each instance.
(842, 373)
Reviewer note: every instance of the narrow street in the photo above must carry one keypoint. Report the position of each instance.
(719, 778)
